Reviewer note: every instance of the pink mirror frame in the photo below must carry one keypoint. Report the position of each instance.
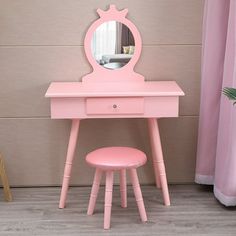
(126, 73)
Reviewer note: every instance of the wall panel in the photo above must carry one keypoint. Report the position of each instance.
(42, 41)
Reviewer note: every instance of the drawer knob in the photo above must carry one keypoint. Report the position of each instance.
(114, 106)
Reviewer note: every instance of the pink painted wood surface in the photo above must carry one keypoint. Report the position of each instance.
(74, 108)
(108, 199)
(117, 105)
(123, 188)
(138, 194)
(80, 100)
(109, 159)
(69, 161)
(94, 191)
(158, 159)
(116, 158)
(100, 73)
(114, 89)
(157, 178)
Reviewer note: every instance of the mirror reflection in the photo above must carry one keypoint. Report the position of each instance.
(112, 45)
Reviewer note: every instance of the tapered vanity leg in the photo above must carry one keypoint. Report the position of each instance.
(158, 158)
(69, 160)
(123, 188)
(157, 177)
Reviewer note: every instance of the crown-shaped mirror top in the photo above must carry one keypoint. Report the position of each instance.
(113, 46)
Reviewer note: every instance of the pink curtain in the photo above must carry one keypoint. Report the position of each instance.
(216, 154)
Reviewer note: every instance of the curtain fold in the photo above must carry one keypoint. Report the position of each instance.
(216, 152)
(104, 40)
(127, 37)
(119, 27)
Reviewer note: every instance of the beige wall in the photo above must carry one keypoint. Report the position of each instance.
(42, 41)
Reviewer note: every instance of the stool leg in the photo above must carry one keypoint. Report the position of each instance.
(123, 188)
(108, 199)
(94, 191)
(138, 194)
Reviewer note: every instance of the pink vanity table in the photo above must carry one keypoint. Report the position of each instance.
(119, 93)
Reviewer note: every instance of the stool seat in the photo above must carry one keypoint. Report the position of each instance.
(116, 158)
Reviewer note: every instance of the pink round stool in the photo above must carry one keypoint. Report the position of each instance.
(110, 159)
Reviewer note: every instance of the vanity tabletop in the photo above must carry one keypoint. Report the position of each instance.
(114, 89)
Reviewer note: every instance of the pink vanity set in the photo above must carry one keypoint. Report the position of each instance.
(114, 90)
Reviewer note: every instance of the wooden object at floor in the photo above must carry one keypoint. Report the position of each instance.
(5, 184)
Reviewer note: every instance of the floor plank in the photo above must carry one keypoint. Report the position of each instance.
(194, 211)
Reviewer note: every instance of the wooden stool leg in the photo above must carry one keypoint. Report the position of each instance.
(69, 161)
(138, 194)
(108, 199)
(158, 158)
(123, 188)
(5, 184)
(94, 191)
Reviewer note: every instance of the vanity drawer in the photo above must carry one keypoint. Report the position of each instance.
(133, 105)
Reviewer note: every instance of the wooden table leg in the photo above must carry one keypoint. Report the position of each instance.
(158, 161)
(157, 178)
(69, 161)
(5, 184)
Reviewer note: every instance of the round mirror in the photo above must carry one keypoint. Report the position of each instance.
(112, 45)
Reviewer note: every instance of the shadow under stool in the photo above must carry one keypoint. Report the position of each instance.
(108, 160)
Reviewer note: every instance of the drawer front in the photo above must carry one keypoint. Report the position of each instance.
(108, 106)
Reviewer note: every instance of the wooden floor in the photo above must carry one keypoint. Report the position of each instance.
(194, 211)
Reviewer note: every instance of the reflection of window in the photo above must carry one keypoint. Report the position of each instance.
(104, 40)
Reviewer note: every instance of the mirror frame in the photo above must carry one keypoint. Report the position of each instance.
(125, 73)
